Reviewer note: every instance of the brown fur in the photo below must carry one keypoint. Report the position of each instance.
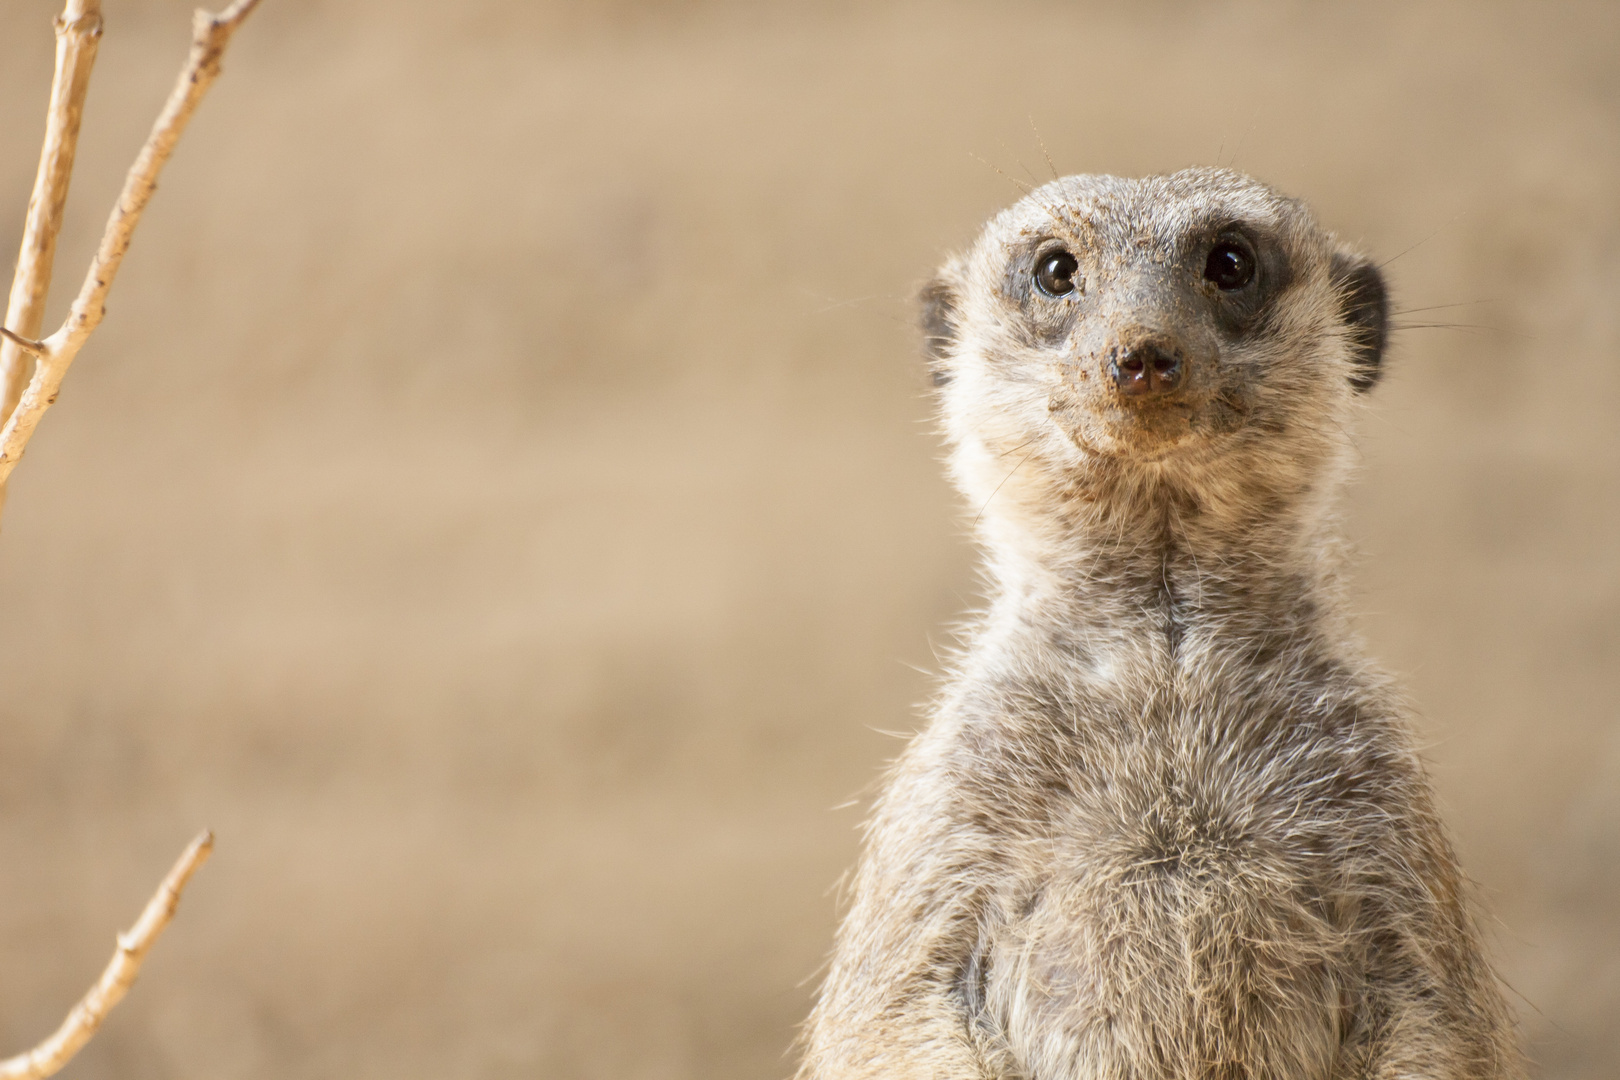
(1164, 822)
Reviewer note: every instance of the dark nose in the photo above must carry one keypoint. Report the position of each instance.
(1146, 369)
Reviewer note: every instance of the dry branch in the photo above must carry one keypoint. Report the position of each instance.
(49, 1056)
(209, 36)
(78, 32)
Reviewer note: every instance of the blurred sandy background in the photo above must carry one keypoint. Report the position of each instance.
(501, 500)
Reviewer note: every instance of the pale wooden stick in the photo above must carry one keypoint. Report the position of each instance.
(78, 32)
(49, 1056)
(209, 36)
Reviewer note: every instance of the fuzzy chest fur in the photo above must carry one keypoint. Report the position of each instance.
(1189, 892)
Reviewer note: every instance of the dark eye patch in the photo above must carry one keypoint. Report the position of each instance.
(1045, 284)
(1242, 269)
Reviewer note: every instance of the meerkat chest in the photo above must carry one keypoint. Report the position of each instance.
(1184, 908)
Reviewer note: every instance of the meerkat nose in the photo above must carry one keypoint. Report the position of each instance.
(1147, 369)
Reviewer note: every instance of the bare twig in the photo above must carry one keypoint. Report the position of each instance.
(78, 32)
(209, 36)
(28, 345)
(49, 1056)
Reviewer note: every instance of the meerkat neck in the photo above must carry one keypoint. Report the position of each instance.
(1167, 571)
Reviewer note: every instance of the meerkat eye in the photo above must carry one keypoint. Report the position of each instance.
(1054, 273)
(1229, 267)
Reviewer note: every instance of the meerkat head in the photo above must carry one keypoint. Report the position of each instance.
(1195, 330)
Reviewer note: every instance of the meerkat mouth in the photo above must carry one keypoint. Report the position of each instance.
(1148, 417)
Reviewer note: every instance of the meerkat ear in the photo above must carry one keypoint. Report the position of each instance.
(1364, 306)
(941, 303)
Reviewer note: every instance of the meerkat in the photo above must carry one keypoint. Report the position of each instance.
(1164, 822)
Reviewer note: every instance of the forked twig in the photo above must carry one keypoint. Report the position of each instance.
(49, 1056)
(78, 31)
(209, 36)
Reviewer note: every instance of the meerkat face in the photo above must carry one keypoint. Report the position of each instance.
(1172, 317)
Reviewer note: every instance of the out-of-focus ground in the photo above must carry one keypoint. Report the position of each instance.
(501, 501)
